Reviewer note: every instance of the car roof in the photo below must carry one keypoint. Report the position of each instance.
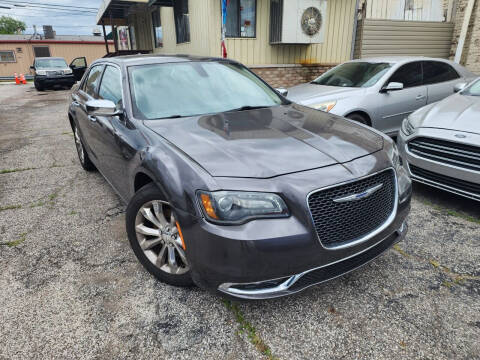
(142, 59)
(399, 59)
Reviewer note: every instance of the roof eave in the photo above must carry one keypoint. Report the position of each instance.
(115, 7)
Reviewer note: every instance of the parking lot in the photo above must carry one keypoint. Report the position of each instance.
(72, 288)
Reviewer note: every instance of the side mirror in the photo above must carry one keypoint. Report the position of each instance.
(32, 67)
(282, 91)
(102, 108)
(459, 87)
(393, 86)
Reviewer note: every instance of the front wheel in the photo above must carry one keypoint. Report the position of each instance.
(38, 87)
(358, 118)
(155, 237)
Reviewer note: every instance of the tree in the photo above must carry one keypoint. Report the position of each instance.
(9, 25)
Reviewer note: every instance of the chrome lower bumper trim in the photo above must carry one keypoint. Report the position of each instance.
(444, 187)
(283, 286)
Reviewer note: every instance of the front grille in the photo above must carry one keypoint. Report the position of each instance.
(448, 152)
(444, 180)
(339, 223)
(55, 73)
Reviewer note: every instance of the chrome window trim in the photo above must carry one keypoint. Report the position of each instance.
(370, 234)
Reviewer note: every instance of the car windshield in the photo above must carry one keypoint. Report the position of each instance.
(473, 90)
(50, 64)
(196, 88)
(353, 74)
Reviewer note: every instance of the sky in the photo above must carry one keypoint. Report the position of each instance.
(64, 23)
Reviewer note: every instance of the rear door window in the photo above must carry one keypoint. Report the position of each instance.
(93, 80)
(436, 72)
(409, 75)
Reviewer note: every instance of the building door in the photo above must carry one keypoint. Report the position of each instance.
(41, 51)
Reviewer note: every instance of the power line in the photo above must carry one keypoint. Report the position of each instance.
(38, 7)
(43, 16)
(49, 4)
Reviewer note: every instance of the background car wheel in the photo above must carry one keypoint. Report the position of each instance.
(82, 154)
(358, 118)
(38, 87)
(154, 235)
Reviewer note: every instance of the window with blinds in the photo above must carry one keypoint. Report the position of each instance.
(7, 56)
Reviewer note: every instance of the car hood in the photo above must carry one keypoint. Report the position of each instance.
(267, 142)
(457, 112)
(309, 93)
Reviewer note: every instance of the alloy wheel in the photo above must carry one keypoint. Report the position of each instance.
(159, 237)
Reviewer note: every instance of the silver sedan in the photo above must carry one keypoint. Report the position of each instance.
(381, 92)
(441, 143)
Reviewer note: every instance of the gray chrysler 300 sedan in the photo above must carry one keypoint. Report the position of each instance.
(381, 92)
(441, 143)
(231, 186)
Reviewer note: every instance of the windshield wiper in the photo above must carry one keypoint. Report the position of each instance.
(248, 107)
(172, 117)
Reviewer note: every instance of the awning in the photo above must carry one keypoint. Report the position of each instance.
(117, 11)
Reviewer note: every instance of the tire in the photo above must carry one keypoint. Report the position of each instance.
(38, 87)
(358, 118)
(155, 258)
(82, 154)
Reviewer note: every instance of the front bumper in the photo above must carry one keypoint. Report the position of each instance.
(63, 80)
(295, 283)
(454, 179)
(241, 261)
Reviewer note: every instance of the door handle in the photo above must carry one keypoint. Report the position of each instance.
(92, 118)
(420, 97)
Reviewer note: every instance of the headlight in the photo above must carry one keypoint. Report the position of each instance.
(67, 71)
(41, 72)
(394, 156)
(236, 207)
(407, 127)
(403, 179)
(326, 106)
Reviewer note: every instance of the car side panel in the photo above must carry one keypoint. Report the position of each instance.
(437, 92)
(123, 147)
(394, 106)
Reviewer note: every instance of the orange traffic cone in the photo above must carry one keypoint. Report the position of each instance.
(17, 80)
(22, 79)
